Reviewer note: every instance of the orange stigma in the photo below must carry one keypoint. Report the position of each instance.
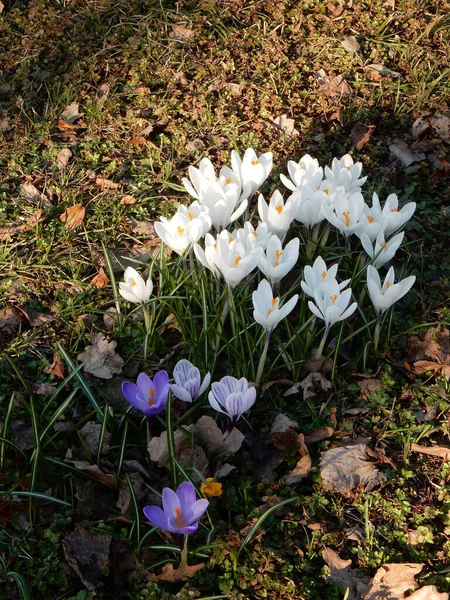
(324, 274)
(346, 214)
(179, 519)
(383, 244)
(279, 209)
(333, 298)
(255, 162)
(228, 180)
(370, 219)
(132, 283)
(387, 286)
(191, 216)
(237, 260)
(394, 209)
(278, 255)
(180, 230)
(151, 397)
(274, 301)
(325, 191)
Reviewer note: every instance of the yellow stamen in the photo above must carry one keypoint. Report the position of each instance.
(325, 191)
(230, 239)
(383, 244)
(324, 274)
(179, 519)
(387, 286)
(279, 209)
(255, 234)
(132, 283)
(255, 162)
(370, 219)
(333, 298)
(278, 255)
(215, 245)
(394, 209)
(237, 260)
(346, 214)
(180, 230)
(151, 397)
(228, 180)
(273, 306)
(348, 168)
(211, 487)
(191, 216)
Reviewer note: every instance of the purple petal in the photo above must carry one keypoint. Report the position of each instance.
(189, 529)
(187, 496)
(155, 409)
(170, 502)
(235, 406)
(197, 509)
(132, 395)
(214, 404)
(180, 393)
(156, 516)
(161, 380)
(182, 370)
(205, 384)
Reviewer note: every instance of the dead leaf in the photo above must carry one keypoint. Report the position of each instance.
(101, 280)
(186, 455)
(313, 384)
(351, 44)
(334, 11)
(303, 466)
(404, 153)
(340, 570)
(421, 367)
(94, 470)
(127, 199)
(180, 33)
(346, 467)
(361, 135)
(440, 451)
(285, 440)
(35, 318)
(100, 358)
(317, 435)
(91, 433)
(335, 87)
(383, 71)
(103, 91)
(210, 437)
(392, 580)
(369, 385)
(30, 193)
(73, 216)
(44, 389)
(139, 140)
(57, 366)
(106, 184)
(63, 157)
(286, 125)
(70, 113)
(389, 5)
(141, 90)
(181, 573)
(4, 119)
(88, 555)
(428, 592)
(67, 127)
(10, 319)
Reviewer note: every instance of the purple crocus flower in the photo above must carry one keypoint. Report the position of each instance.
(188, 384)
(232, 396)
(180, 512)
(146, 395)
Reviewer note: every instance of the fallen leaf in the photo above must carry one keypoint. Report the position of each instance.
(30, 193)
(127, 199)
(389, 4)
(67, 127)
(143, 227)
(369, 385)
(44, 389)
(100, 358)
(181, 573)
(235, 88)
(428, 592)
(392, 580)
(94, 470)
(70, 113)
(318, 435)
(141, 90)
(63, 157)
(10, 319)
(106, 184)
(421, 367)
(383, 71)
(355, 534)
(340, 570)
(124, 502)
(180, 33)
(103, 91)
(139, 140)
(313, 384)
(110, 318)
(188, 456)
(285, 440)
(88, 555)
(101, 280)
(440, 451)
(4, 119)
(361, 134)
(35, 317)
(303, 466)
(346, 467)
(286, 125)
(57, 366)
(91, 433)
(335, 87)
(351, 44)
(334, 11)
(73, 216)
(404, 153)
(210, 437)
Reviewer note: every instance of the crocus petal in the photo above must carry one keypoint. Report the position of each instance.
(156, 516)
(214, 404)
(130, 391)
(170, 501)
(180, 393)
(186, 495)
(197, 509)
(205, 384)
(161, 379)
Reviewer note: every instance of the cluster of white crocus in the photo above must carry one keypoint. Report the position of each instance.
(186, 227)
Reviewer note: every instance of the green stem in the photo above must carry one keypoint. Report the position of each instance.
(148, 328)
(376, 336)
(171, 441)
(223, 316)
(184, 550)
(322, 343)
(262, 360)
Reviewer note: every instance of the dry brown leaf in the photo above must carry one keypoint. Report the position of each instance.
(91, 433)
(63, 157)
(335, 87)
(383, 71)
(340, 570)
(57, 366)
(106, 184)
(286, 125)
(440, 451)
(361, 134)
(141, 90)
(44, 389)
(285, 440)
(346, 467)
(103, 91)
(73, 216)
(351, 44)
(67, 127)
(101, 280)
(302, 469)
(30, 192)
(95, 471)
(392, 580)
(35, 317)
(88, 555)
(100, 358)
(143, 228)
(180, 33)
(70, 113)
(421, 367)
(369, 385)
(404, 153)
(110, 318)
(10, 319)
(428, 592)
(181, 573)
(389, 5)
(139, 140)
(334, 11)
(317, 435)
(127, 199)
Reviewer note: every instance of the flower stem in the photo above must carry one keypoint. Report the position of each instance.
(184, 549)
(148, 327)
(322, 343)
(223, 316)
(376, 335)
(171, 441)
(262, 360)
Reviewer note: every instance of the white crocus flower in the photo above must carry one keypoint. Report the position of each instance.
(186, 227)
(252, 170)
(135, 289)
(371, 223)
(391, 216)
(347, 212)
(268, 312)
(345, 172)
(235, 262)
(278, 214)
(332, 307)
(204, 174)
(222, 203)
(208, 256)
(188, 384)
(306, 167)
(308, 202)
(319, 278)
(384, 296)
(278, 261)
(382, 252)
(250, 236)
(232, 397)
